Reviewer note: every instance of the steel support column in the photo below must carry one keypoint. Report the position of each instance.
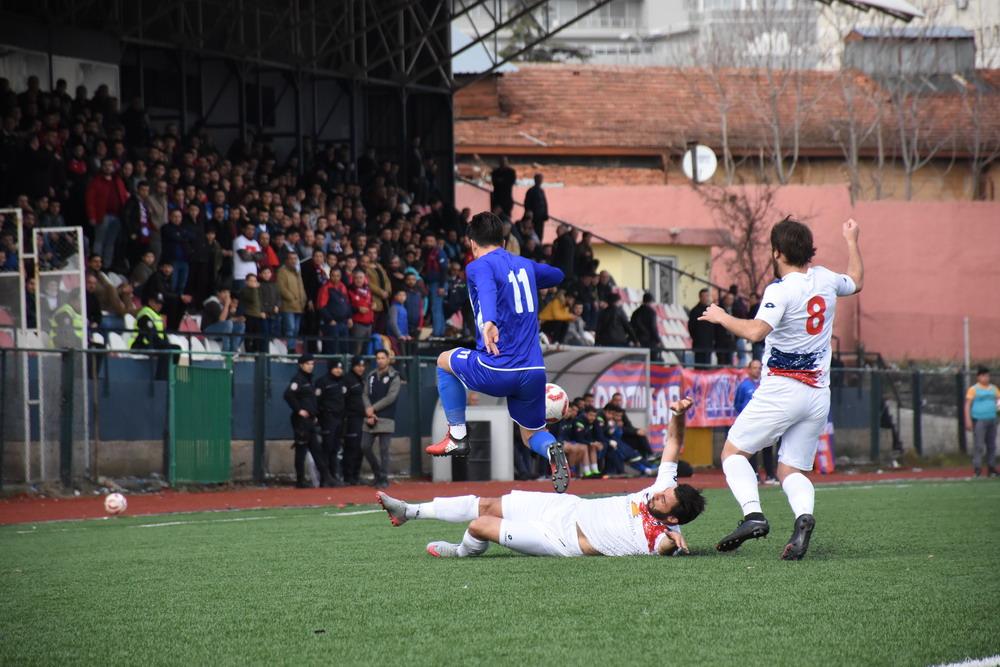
(182, 121)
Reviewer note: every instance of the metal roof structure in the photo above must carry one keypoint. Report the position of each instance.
(900, 9)
(475, 60)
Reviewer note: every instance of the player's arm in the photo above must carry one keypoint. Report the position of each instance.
(671, 542)
(753, 330)
(292, 398)
(969, 396)
(547, 276)
(855, 267)
(675, 431)
(486, 292)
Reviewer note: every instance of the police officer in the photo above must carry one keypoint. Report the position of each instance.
(354, 419)
(151, 333)
(301, 398)
(332, 394)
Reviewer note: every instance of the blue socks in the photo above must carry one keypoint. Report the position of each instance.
(452, 393)
(539, 443)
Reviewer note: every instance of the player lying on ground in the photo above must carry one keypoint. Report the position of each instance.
(550, 524)
(795, 321)
(503, 289)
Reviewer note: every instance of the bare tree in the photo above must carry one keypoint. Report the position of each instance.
(745, 216)
(981, 139)
(782, 49)
(859, 120)
(917, 141)
(712, 84)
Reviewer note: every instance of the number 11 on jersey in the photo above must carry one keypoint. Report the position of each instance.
(525, 285)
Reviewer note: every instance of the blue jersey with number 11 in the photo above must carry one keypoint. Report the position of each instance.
(503, 289)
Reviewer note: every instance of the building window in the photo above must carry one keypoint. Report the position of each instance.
(661, 281)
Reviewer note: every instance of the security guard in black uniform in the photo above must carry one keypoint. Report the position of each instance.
(301, 398)
(354, 419)
(332, 397)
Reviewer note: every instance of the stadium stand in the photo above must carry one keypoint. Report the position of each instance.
(77, 161)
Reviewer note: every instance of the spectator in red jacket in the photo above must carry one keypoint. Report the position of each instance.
(333, 305)
(105, 198)
(361, 305)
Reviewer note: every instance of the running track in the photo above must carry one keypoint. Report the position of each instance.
(30, 509)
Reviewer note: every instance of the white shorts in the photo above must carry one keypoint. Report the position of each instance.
(787, 409)
(540, 524)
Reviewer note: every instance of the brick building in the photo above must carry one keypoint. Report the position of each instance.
(929, 138)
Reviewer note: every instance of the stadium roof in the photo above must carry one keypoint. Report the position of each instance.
(898, 8)
(616, 110)
(913, 32)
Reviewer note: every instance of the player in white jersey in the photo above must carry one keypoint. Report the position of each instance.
(795, 320)
(551, 524)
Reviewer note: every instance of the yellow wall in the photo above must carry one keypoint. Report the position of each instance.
(626, 268)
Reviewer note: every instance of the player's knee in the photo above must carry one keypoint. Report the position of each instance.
(444, 360)
(490, 507)
(729, 449)
(784, 470)
(480, 527)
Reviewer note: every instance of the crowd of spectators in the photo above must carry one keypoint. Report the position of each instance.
(336, 255)
(711, 343)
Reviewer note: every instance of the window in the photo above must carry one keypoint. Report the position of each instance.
(661, 281)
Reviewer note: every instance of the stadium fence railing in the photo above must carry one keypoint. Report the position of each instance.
(55, 431)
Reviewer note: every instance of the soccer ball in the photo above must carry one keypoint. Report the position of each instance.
(556, 403)
(115, 503)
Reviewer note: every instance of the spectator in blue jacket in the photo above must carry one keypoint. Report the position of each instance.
(177, 247)
(435, 270)
(414, 302)
(398, 322)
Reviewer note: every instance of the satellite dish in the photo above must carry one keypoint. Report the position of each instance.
(699, 163)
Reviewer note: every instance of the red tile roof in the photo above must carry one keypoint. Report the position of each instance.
(628, 110)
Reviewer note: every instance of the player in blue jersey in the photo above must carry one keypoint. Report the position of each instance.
(507, 361)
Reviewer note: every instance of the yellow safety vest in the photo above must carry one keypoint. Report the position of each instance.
(55, 328)
(157, 322)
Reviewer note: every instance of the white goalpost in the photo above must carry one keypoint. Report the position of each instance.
(39, 323)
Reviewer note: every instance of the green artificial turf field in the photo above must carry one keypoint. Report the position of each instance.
(897, 575)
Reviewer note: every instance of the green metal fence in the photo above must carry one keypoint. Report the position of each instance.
(200, 409)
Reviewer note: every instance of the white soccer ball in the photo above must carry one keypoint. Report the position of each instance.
(556, 403)
(115, 503)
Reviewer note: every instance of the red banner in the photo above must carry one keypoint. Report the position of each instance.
(713, 392)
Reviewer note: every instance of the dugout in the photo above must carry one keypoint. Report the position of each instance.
(491, 430)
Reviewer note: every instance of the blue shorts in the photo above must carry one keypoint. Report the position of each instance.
(523, 388)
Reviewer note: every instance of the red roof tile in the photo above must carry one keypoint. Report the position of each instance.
(554, 108)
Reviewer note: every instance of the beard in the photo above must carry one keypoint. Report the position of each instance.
(662, 516)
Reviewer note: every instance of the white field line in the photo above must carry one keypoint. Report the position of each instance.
(187, 523)
(358, 513)
(991, 661)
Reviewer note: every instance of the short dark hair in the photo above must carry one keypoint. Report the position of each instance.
(647, 298)
(590, 408)
(793, 240)
(982, 370)
(486, 229)
(385, 352)
(690, 503)
(703, 290)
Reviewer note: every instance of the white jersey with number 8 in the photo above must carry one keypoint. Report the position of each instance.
(800, 307)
